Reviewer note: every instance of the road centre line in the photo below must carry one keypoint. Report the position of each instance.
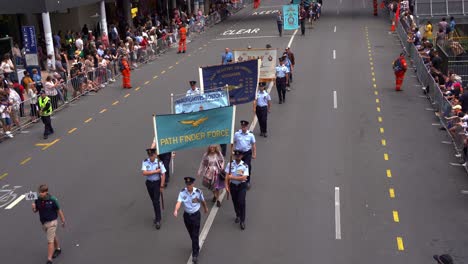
(50, 144)
(385, 156)
(127, 95)
(116, 102)
(103, 110)
(335, 103)
(384, 142)
(389, 173)
(88, 120)
(396, 218)
(252, 37)
(72, 130)
(334, 54)
(25, 161)
(146, 82)
(165, 71)
(155, 77)
(15, 202)
(391, 192)
(334, 30)
(214, 209)
(3, 175)
(382, 130)
(400, 244)
(337, 214)
(170, 67)
(138, 88)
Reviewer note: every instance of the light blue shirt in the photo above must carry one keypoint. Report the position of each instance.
(191, 92)
(243, 141)
(227, 57)
(240, 169)
(192, 200)
(262, 98)
(287, 63)
(149, 166)
(281, 71)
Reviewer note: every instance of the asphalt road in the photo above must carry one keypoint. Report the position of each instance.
(367, 148)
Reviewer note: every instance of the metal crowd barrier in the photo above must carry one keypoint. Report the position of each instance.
(442, 107)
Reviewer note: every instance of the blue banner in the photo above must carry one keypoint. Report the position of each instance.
(241, 79)
(29, 39)
(199, 102)
(291, 17)
(192, 130)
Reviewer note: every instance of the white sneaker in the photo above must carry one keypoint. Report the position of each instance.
(102, 86)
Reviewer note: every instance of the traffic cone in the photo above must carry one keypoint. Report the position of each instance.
(392, 28)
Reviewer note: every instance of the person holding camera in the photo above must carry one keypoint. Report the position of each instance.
(211, 171)
(50, 89)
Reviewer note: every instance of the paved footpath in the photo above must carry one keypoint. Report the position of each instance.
(352, 172)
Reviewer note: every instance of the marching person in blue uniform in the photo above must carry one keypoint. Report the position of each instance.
(192, 198)
(227, 56)
(261, 108)
(154, 171)
(194, 90)
(244, 141)
(282, 78)
(237, 173)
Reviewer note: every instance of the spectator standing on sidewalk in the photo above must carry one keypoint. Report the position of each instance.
(45, 110)
(279, 23)
(32, 94)
(37, 80)
(51, 91)
(49, 210)
(399, 68)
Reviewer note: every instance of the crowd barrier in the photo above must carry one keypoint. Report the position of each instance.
(73, 88)
(441, 106)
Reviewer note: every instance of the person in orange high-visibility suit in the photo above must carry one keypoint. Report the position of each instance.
(125, 73)
(256, 4)
(399, 68)
(375, 7)
(183, 39)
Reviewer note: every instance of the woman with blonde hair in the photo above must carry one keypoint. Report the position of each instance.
(211, 165)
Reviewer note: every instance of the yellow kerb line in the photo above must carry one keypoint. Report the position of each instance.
(391, 192)
(389, 173)
(400, 243)
(72, 130)
(25, 161)
(396, 218)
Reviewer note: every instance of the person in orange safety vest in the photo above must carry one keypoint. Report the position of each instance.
(183, 39)
(399, 68)
(125, 69)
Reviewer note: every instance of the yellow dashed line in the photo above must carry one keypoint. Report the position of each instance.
(373, 74)
(400, 243)
(170, 67)
(88, 120)
(51, 144)
(103, 111)
(116, 102)
(370, 58)
(177, 62)
(396, 218)
(385, 156)
(371, 63)
(391, 192)
(25, 161)
(127, 95)
(146, 82)
(384, 142)
(382, 130)
(3, 175)
(375, 85)
(72, 130)
(372, 68)
(155, 77)
(377, 100)
(379, 119)
(373, 79)
(378, 109)
(389, 173)
(138, 88)
(376, 93)
(163, 72)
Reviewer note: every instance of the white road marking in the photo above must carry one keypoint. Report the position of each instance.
(15, 202)
(253, 37)
(456, 164)
(447, 142)
(214, 209)
(335, 103)
(334, 30)
(464, 192)
(334, 54)
(337, 214)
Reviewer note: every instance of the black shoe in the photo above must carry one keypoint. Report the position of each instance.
(49, 262)
(157, 225)
(242, 225)
(265, 135)
(194, 260)
(46, 137)
(213, 200)
(57, 253)
(280, 102)
(178, 52)
(218, 203)
(262, 134)
(183, 51)
(165, 184)
(237, 220)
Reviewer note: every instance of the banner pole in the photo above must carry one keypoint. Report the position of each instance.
(172, 152)
(155, 134)
(200, 75)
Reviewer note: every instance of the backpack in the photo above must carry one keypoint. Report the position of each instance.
(121, 66)
(397, 65)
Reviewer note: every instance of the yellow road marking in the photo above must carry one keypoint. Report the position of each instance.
(177, 62)
(72, 130)
(373, 79)
(376, 93)
(51, 144)
(378, 109)
(3, 175)
(400, 243)
(41, 144)
(138, 88)
(379, 119)
(377, 100)
(370, 58)
(127, 95)
(190, 55)
(396, 218)
(372, 68)
(103, 110)
(204, 45)
(25, 161)
(391, 192)
(88, 120)
(116, 102)
(373, 74)
(155, 77)
(371, 63)
(384, 142)
(146, 82)
(200, 48)
(170, 67)
(163, 72)
(382, 130)
(375, 85)
(385, 156)
(389, 173)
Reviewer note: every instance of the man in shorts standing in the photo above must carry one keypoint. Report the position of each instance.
(49, 210)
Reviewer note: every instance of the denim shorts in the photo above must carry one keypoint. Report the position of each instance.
(7, 121)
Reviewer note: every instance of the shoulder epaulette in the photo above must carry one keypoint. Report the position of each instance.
(198, 190)
(145, 160)
(183, 189)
